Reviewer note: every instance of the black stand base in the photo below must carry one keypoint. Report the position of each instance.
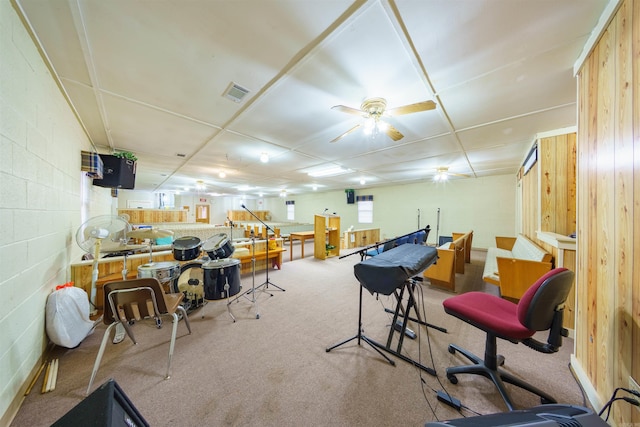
(266, 286)
(423, 323)
(377, 346)
(362, 337)
(402, 328)
(359, 336)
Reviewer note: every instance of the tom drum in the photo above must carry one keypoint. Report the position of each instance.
(166, 272)
(186, 248)
(218, 246)
(221, 278)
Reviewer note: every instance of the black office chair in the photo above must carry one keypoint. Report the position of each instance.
(541, 308)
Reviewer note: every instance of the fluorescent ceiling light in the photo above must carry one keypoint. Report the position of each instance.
(329, 172)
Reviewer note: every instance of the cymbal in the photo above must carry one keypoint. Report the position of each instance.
(112, 247)
(149, 233)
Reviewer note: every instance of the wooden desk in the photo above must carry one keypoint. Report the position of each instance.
(302, 236)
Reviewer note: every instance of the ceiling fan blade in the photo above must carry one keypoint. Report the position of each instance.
(345, 134)
(411, 108)
(393, 133)
(349, 110)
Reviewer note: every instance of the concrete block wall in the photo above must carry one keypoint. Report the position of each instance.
(43, 199)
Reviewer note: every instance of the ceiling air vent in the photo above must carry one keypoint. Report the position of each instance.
(235, 92)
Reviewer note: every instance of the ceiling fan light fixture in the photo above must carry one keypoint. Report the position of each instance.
(441, 174)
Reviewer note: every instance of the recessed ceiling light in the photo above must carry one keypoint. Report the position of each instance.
(264, 158)
(222, 174)
(336, 170)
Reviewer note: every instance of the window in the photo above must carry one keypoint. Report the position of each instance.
(291, 211)
(365, 209)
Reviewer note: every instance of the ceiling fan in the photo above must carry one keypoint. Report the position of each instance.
(442, 174)
(373, 109)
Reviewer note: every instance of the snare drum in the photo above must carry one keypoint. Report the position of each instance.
(218, 246)
(186, 248)
(221, 278)
(166, 272)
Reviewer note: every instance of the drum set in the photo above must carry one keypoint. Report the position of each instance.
(214, 276)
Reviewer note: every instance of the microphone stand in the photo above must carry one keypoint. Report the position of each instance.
(267, 282)
(231, 230)
(253, 299)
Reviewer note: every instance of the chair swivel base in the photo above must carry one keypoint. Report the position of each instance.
(495, 374)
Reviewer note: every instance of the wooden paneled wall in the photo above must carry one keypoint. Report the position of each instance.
(549, 201)
(608, 277)
(153, 216)
(246, 216)
(549, 189)
(557, 157)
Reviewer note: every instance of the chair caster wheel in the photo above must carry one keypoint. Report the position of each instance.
(451, 349)
(452, 379)
(257, 316)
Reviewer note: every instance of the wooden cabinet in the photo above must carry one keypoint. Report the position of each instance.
(360, 238)
(328, 226)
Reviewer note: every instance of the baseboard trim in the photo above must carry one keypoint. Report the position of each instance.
(585, 383)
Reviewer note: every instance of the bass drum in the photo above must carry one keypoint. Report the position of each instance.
(218, 246)
(221, 278)
(166, 272)
(191, 284)
(186, 248)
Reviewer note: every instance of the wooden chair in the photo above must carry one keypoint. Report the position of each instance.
(133, 300)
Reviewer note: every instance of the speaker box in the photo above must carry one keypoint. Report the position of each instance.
(351, 197)
(107, 406)
(117, 173)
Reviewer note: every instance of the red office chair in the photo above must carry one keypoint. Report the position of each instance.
(540, 308)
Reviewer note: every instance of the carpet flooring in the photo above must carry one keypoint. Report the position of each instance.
(275, 371)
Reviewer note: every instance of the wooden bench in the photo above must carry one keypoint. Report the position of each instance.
(515, 264)
(275, 256)
(451, 260)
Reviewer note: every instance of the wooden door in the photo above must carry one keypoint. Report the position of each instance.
(202, 213)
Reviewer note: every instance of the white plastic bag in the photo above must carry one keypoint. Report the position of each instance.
(67, 316)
